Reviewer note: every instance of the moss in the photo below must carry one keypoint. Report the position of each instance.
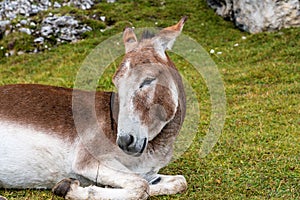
(18, 41)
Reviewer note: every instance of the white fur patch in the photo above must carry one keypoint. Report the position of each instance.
(127, 63)
(30, 158)
(174, 92)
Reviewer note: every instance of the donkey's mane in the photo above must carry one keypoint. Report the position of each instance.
(147, 34)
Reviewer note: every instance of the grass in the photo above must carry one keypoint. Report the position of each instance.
(258, 153)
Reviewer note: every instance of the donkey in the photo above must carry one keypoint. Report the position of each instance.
(41, 147)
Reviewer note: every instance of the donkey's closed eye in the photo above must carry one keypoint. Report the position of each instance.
(147, 81)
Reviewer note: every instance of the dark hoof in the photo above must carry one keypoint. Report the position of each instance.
(2, 198)
(62, 188)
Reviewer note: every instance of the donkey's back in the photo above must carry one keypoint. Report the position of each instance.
(46, 108)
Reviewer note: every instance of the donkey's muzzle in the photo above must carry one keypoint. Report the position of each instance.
(131, 145)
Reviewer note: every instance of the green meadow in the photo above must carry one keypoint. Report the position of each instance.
(257, 155)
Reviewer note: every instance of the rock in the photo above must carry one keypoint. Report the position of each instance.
(9, 9)
(23, 22)
(39, 40)
(102, 18)
(63, 27)
(83, 4)
(34, 10)
(257, 16)
(222, 7)
(32, 24)
(4, 25)
(25, 30)
(46, 30)
(11, 52)
(45, 2)
(56, 5)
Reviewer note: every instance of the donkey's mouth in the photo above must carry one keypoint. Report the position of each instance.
(144, 146)
(133, 148)
(138, 150)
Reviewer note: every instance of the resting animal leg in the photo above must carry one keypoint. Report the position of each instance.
(168, 185)
(71, 189)
(125, 184)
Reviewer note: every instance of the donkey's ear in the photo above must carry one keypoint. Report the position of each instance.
(167, 36)
(130, 40)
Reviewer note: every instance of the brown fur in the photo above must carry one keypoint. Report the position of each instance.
(162, 106)
(48, 108)
(168, 134)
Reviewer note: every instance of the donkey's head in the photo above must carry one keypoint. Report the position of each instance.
(147, 88)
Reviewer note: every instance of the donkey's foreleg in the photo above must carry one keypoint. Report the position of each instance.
(168, 185)
(129, 184)
(105, 171)
(125, 186)
(71, 189)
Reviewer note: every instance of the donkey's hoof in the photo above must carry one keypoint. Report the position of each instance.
(2, 198)
(62, 188)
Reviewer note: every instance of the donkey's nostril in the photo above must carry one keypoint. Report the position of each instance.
(131, 140)
(124, 141)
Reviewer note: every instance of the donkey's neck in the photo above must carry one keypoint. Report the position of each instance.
(164, 141)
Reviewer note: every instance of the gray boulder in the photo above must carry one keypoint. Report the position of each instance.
(39, 40)
(63, 27)
(25, 30)
(258, 16)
